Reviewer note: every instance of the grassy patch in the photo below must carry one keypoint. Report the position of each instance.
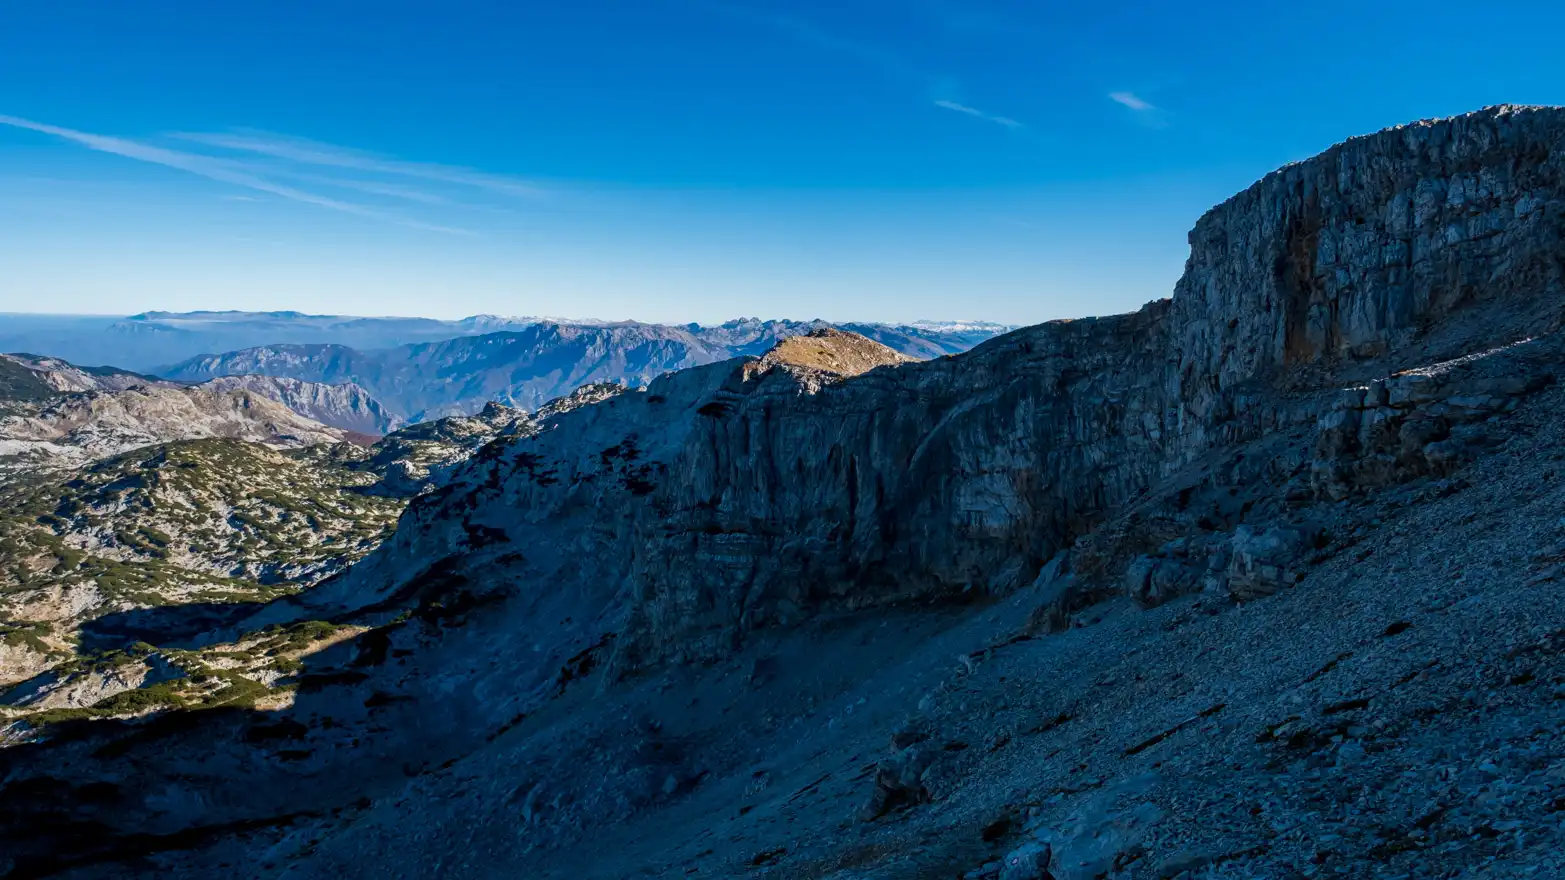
(27, 635)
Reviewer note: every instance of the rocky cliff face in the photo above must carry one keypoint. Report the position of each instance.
(757, 500)
(345, 406)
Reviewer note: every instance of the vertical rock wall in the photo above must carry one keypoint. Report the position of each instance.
(762, 499)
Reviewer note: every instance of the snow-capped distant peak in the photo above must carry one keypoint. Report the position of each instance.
(961, 326)
(498, 322)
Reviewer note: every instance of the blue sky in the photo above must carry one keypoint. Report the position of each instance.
(676, 160)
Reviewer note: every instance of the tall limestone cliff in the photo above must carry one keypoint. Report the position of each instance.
(740, 499)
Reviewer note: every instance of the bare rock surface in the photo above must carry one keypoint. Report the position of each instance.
(346, 406)
(65, 377)
(831, 351)
(73, 429)
(422, 457)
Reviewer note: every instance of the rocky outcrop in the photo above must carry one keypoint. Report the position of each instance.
(78, 428)
(1425, 421)
(90, 685)
(831, 353)
(419, 457)
(422, 457)
(921, 340)
(63, 377)
(345, 406)
(751, 501)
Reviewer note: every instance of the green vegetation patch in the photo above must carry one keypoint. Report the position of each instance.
(27, 635)
(196, 521)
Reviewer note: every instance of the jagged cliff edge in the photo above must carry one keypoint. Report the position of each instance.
(714, 503)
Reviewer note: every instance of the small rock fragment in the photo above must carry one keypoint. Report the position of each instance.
(1030, 861)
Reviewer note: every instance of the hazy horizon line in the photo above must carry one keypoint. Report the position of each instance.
(533, 318)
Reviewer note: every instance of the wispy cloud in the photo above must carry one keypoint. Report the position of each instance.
(889, 63)
(205, 166)
(226, 170)
(1141, 110)
(374, 188)
(1131, 100)
(308, 152)
(1006, 121)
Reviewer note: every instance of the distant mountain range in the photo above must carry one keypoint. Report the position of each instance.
(149, 340)
(56, 414)
(541, 361)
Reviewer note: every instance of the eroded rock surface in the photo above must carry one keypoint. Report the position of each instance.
(1383, 254)
(73, 429)
(345, 406)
